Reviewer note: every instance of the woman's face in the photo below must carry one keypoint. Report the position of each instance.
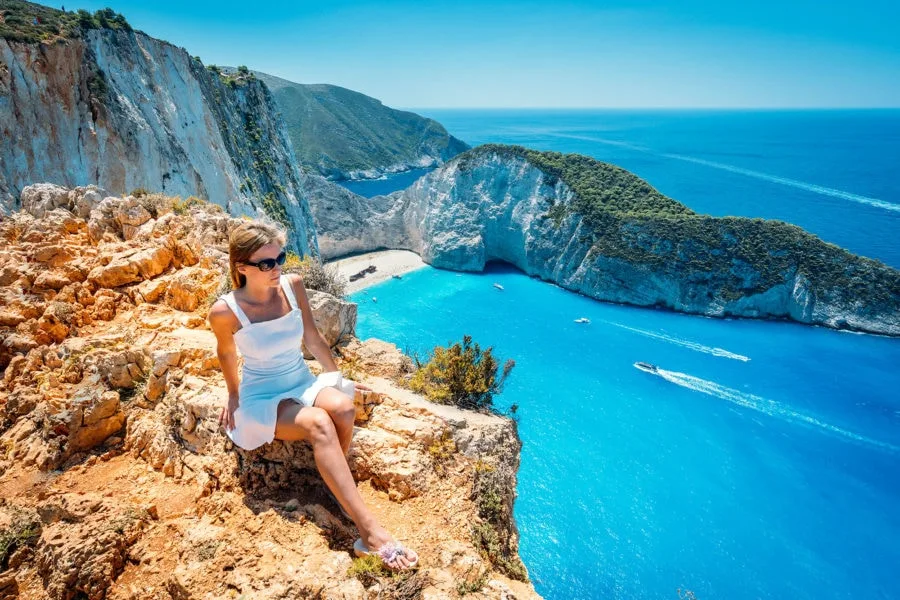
(256, 277)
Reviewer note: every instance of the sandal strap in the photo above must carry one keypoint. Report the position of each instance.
(390, 551)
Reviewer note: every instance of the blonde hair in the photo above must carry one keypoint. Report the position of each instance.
(246, 239)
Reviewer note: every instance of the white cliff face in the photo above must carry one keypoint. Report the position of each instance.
(490, 207)
(123, 110)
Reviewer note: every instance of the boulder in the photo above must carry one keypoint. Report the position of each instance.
(335, 318)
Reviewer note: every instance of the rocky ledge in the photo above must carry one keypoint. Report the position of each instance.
(117, 481)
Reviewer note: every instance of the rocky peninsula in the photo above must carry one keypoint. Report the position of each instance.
(599, 230)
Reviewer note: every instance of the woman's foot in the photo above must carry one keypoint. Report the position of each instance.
(379, 542)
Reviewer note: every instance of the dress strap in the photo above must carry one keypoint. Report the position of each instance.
(233, 305)
(289, 291)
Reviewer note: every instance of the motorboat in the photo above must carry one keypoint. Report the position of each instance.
(498, 286)
(583, 320)
(647, 367)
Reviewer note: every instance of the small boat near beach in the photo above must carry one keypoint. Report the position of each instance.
(643, 366)
(498, 286)
(396, 276)
(582, 320)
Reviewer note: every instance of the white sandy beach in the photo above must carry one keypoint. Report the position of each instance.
(387, 264)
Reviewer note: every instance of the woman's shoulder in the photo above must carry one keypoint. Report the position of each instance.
(219, 310)
(297, 286)
(296, 282)
(293, 278)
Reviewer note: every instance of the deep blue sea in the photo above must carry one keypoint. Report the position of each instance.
(763, 461)
(375, 187)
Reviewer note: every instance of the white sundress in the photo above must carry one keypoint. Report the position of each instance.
(273, 370)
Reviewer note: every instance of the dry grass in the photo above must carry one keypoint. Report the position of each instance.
(442, 450)
(404, 585)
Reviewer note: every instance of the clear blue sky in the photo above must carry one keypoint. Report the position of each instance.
(682, 53)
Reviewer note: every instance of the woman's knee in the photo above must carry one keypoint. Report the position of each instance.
(337, 403)
(319, 424)
(345, 407)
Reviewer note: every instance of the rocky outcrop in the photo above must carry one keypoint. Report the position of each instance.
(118, 481)
(340, 217)
(122, 110)
(64, 271)
(496, 203)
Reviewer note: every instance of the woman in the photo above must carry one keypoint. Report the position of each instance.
(266, 317)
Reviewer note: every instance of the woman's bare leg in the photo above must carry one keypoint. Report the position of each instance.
(340, 407)
(297, 422)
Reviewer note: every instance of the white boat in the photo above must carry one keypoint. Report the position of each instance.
(647, 367)
(583, 320)
(374, 299)
(498, 286)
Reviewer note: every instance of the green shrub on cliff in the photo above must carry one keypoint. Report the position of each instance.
(492, 534)
(28, 22)
(462, 375)
(275, 210)
(23, 531)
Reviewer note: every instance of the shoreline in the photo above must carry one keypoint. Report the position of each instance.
(387, 263)
(390, 262)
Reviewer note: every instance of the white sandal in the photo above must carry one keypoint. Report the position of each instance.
(388, 553)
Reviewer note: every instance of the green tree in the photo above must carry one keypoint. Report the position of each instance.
(462, 375)
(85, 20)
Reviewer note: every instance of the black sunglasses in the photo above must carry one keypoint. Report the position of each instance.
(267, 264)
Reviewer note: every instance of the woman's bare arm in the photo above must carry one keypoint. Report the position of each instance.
(312, 339)
(221, 320)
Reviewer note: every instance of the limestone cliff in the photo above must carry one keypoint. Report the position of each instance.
(617, 240)
(112, 462)
(122, 110)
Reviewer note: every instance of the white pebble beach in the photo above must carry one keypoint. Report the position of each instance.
(387, 264)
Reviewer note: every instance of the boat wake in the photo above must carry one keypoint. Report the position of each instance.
(766, 406)
(697, 347)
(809, 187)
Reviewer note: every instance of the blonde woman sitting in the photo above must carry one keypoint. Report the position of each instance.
(266, 317)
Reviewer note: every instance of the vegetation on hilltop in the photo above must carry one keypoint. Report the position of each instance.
(335, 130)
(22, 21)
(600, 188)
(630, 220)
(233, 77)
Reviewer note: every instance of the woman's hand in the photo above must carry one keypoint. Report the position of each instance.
(226, 418)
(361, 386)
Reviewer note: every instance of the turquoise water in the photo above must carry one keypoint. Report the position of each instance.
(762, 461)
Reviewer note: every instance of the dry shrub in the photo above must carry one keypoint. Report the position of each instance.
(316, 275)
